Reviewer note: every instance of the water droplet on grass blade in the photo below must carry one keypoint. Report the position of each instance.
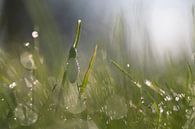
(27, 61)
(35, 34)
(148, 83)
(27, 44)
(12, 85)
(73, 102)
(116, 107)
(161, 109)
(25, 115)
(176, 108)
(72, 69)
(30, 80)
(176, 98)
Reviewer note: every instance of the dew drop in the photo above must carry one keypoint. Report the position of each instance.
(72, 102)
(142, 100)
(27, 61)
(35, 34)
(189, 98)
(193, 108)
(161, 110)
(168, 113)
(168, 98)
(12, 85)
(175, 108)
(176, 98)
(27, 44)
(148, 83)
(107, 122)
(25, 115)
(30, 81)
(72, 69)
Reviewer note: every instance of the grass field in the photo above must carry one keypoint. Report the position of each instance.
(108, 93)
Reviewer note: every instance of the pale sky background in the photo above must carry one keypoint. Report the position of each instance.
(165, 25)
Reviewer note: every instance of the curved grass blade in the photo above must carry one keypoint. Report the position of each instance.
(88, 72)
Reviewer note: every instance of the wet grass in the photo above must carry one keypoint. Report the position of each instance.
(109, 94)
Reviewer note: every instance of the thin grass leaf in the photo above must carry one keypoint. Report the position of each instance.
(189, 76)
(126, 73)
(77, 36)
(73, 65)
(155, 87)
(89, 70)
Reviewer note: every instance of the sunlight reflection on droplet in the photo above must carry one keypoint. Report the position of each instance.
(176, 98)
(168, 98)
(27, 61)
(148, 83)
(35, 34)
(161, 110)
(27, 44)
(12, 85)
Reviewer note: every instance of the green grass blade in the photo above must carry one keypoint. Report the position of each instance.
(77, 36)
(126, 73)
(189, 76)
(88, 72)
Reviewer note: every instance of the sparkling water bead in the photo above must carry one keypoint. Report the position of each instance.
(72, 70)
(25, 115)
(73, 53)
(72, 101)
(27, 61)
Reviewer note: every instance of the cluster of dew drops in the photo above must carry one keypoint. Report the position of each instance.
(25, 113)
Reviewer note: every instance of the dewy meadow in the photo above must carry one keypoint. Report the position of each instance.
(89, 64)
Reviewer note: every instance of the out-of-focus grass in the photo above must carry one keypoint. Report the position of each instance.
(118, 95)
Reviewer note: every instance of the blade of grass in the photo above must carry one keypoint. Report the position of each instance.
(88, 72)
(77, 36)
(155, 87)
(189, 76)
(125, 73)
(75, 44)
